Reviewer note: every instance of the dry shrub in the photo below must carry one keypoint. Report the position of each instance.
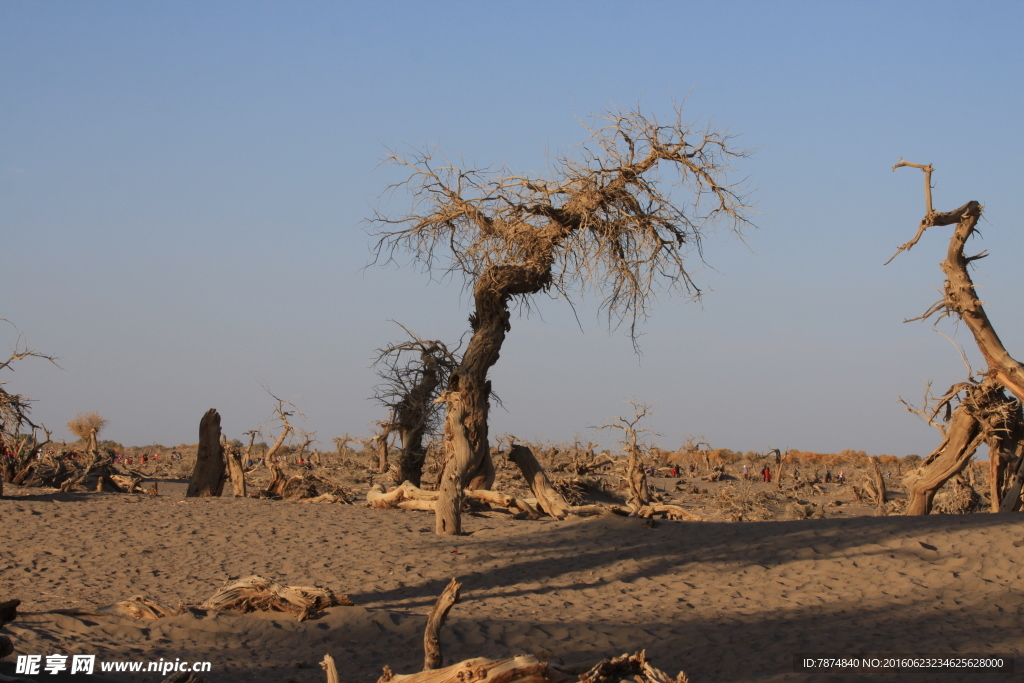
(805, 510)
(573, 490)
(84, 425)
(956, 498)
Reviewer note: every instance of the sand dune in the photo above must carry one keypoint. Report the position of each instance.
(721, 601)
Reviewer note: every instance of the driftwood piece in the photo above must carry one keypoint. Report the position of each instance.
(255, 593)
(136, 607)
(674, 512)
(208, 475)
(432, 656)
(130, 484)
(326, 498)
(548, 499)
(330, 669)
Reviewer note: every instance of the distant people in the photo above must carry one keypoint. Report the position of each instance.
(842, 477)
(828, 476)
(768, 475)
(674, 472)
(746, 472)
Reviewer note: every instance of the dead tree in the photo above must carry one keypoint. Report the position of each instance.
(16, 450)
(604, 220)
(636, 478)
(236, 470)
(282, 413)
(983, 413)
(411, 373)
(209, 473)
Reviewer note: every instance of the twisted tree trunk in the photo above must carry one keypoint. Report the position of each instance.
(459, 452)
(962, 437)
(548, 499)
(982, 415)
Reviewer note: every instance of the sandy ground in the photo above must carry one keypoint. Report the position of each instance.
(720, 601)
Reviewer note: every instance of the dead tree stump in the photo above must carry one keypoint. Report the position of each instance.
(234, 458)
(208, 475)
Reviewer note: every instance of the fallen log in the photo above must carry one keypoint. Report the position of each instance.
(410, 497)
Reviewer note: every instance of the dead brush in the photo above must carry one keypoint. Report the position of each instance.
(958, 498)
(740, 501)
(573, 490)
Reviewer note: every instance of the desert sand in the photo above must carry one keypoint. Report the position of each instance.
(721, 601)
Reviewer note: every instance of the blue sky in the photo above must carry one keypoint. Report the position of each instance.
(183, 188)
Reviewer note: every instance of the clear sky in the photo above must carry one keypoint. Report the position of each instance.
(183, 187)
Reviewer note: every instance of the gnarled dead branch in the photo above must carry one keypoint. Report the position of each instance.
(985, 413)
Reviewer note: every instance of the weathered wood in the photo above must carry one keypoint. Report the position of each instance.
(432, 656)
(236, 470)
(136, 607)
(277, 478)
(521, 669)
(960, 299)
(881, 496)
(332, 671)
(632, 668)
(548, 499)
(130, 484)
(409, 497)
(459, 458)
(673, 512)
(260, 594)
(961, 440)
(208, 475)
